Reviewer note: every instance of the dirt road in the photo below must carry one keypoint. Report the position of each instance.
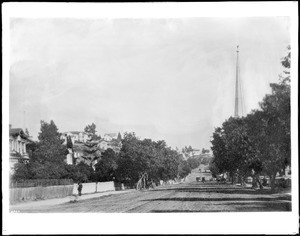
(190, 196)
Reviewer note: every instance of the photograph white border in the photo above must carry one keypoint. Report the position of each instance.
(150, 223)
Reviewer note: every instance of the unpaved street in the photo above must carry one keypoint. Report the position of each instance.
(190, 196)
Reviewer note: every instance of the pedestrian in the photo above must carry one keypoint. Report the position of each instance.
(79, 188)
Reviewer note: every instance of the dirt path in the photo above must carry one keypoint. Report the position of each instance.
(191, 196)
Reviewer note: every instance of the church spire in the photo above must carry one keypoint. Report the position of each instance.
(237, 95)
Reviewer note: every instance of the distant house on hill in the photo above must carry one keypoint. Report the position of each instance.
(195, 152)
(112, 140)
(76, 136)
(191, 153)
(82, 141)
(18, 140)
(110, 137)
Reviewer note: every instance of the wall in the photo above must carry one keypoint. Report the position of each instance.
(95, 187)
(86, 188)
(39, 193)
(105, 186)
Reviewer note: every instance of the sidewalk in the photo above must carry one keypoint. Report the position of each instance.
(57, 201)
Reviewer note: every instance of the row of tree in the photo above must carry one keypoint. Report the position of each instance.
(136, 157)
(258, 144)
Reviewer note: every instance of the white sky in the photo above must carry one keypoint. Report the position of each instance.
(170, 79)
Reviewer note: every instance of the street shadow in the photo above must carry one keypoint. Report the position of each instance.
(184, 211)
(262, 207)
(194, 199)
(223, 190)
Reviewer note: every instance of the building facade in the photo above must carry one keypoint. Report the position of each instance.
(76, 136)
(18, 140)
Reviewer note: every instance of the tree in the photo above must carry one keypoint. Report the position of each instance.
(232, 148)
(119, 138)
(91, 130)
(205, 150)
(81, 172)
(69, 143)
(260, 142)
(220, 150)
(184, 169)
(47, 156)
(50, 147)
(193, 162)
(106, 167)
(21, 172)
(214, 169)
(286, 63)
(146, 157)
(273, 140)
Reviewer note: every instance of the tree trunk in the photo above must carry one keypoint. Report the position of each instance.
(260, 184)
(272, 182)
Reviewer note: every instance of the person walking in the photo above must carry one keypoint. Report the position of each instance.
(79, 188)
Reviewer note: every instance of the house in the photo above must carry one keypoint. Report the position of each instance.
(190, 153)
(110, 137)
(112, 141)
(76, 136)
(82, 142)
(195, 152)
(18, 140)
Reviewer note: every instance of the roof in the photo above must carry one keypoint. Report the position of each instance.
(18, 131)
(111, 134)
(75, 132)
(15, 131)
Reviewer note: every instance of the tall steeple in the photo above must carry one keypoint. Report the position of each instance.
(237, 95)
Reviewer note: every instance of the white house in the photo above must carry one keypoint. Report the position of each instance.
(112, 140)
(195, 152)
(76, 136)
(17, 146)
(110, 137)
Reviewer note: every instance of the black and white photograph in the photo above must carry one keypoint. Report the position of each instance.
(189, 110)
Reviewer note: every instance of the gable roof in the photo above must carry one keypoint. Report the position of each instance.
(15, 131)
(75, 132)
(112, 135)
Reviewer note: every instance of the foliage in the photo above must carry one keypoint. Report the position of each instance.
(106, 167)
(91, 153)
(91, 130)
(146, 156)
(193, 162)
(205, 150)
(259, 142)
(214, 169)
(184, 169)
(80, 172)
(69, 143)
(50, 147)
(46, 156)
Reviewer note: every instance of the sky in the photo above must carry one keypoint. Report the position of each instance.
(168, 78)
